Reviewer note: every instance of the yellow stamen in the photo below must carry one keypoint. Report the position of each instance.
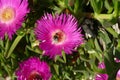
(7, 14)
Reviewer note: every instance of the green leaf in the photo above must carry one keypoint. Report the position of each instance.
(118, 46)
(116, 8)
(76, 6)
(95, 53)
(2, 46)
(97, 5)
(68, 6)
(104, 36)
(36, 50)
(108, 6)
(1, 43)
(6, 47)
(112, 31)
(56, 67)
(32, 36)
(64, 56)
(89, 45)
(58, 58)
(97, 45)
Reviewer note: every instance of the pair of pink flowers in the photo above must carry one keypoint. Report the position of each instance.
(105, 76)
(56, 34)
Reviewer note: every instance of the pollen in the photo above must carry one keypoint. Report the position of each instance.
(7, 14)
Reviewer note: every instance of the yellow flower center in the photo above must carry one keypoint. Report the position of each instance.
(7, 14)
(58, 37)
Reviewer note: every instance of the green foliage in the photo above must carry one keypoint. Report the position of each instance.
(83, 63)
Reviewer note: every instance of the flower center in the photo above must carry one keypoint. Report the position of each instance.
(7, 14)
(117, 78)
(34, 76)
(58, 37)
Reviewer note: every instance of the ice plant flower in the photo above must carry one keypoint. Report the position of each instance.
(118, 75)
(118, 72)
(12, 14)
(105, 76)
(33, 69)
(58, 33)
(101, 76)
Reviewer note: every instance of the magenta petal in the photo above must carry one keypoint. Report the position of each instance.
(101, 77)
(57, 33)
(33, 68)
(118, 74)
(19, 8)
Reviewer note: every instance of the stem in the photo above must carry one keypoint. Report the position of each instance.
(16, 41)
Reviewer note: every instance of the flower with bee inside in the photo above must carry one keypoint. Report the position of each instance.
(58, 33)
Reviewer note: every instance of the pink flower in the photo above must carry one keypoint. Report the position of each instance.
(12, 13)
(101, 76)
(33, 69)
(118, 75)
(105, 76)
(57, 33)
